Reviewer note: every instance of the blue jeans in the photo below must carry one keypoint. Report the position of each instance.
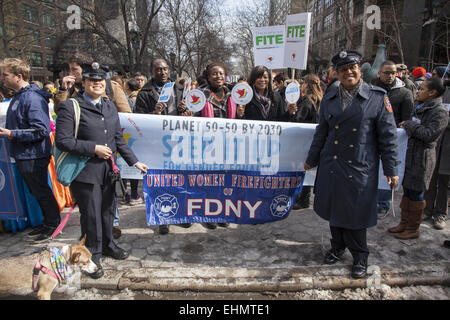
(116, 213)
(384, 199)
(413, 195)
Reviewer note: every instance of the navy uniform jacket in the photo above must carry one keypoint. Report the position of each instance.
(96, 127)
(346, 147)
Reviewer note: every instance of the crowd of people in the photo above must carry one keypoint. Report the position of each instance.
(357, 125)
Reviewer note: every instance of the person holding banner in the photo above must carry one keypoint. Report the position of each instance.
(355, 129)
(219, 103)
(147, 102)
(28, 129)
(306, 110)
(99, 138)
(266, 104)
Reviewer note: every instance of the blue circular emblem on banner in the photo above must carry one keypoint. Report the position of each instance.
(280, 206)
(166, 206)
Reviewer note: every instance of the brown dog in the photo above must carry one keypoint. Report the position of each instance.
(16, 274)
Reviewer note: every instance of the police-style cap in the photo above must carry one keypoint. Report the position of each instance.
(345, 58)
(94, 71)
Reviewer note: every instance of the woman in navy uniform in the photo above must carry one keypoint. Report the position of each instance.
(99, 137)
(356, 127)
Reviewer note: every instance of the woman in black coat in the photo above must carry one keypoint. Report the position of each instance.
(429, 121)
(99, 137)
(306, 110)
(266, 103)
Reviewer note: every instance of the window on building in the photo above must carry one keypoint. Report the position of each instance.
(49, 59)
(49, 20)
(317, 7)
(30, 14)
(35, 59)
(33, 34)
(328, 3)
(50, 42)
(338, 15)
(328, 23)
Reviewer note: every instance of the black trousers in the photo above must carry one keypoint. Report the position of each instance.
(35, 174)
(354, 240)
(96, 203)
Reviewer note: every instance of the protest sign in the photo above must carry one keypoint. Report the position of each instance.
(195, 143)
(268, 46)
(297, 39)
(187, 87)
(166, 92)
(292, 92)
(242, 93)
(178, 196)
(195, 100)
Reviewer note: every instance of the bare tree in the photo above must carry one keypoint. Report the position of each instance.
(391, 34)
(190, 37)
(251, 14)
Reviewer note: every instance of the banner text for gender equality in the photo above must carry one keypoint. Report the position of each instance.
(188, 145)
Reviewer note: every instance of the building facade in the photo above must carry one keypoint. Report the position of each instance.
(414, 32)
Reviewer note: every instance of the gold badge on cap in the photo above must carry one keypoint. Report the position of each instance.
(95, 66)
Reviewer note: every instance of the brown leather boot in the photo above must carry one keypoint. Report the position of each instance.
(404, 217)
(415, 215)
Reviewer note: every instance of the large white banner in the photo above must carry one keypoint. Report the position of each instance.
(192, 143)
(268, 46)
(297, 39)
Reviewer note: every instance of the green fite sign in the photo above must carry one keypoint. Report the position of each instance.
(297, 39)
(268, 46)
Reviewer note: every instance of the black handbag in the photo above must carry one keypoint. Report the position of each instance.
(116, 180)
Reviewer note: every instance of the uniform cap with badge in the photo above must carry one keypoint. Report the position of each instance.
(346, 57)
(94, 71)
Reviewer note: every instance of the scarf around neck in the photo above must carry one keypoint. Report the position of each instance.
(263, 103)
(347, 96)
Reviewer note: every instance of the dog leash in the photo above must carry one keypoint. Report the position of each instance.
(61, 225)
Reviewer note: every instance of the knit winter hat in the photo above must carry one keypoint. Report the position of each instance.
(419, 72)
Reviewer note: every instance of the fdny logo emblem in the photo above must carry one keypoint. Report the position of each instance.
(166, 206)
(280, 206)
(387, 104)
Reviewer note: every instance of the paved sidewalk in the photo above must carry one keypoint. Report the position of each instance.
(281, 256)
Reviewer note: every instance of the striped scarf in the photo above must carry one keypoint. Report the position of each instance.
(347, 96)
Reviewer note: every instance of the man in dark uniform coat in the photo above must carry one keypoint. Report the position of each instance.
(355, 129)
(99, 137)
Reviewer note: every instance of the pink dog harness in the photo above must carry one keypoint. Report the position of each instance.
(60, 268)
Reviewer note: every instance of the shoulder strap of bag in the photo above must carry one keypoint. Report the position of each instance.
(77, 113)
